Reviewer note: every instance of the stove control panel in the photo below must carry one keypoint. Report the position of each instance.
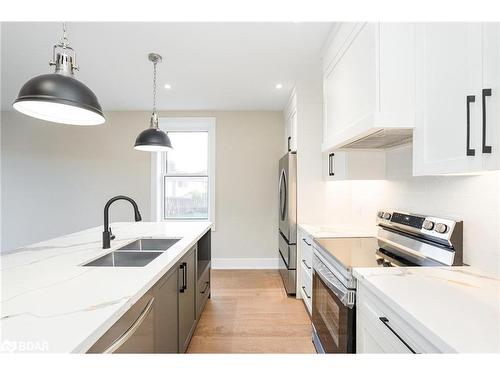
(427, 225)
(405, 219)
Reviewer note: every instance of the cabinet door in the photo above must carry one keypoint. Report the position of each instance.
(288, 134)
(166, 314)
(293, 131)
(491, 101)
(448, 72)
(187, 298)
(350, 86)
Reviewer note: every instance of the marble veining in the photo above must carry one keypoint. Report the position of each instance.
(456, 308)
(49, 299)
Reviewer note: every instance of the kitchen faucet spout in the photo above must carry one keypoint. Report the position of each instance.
(107, 235)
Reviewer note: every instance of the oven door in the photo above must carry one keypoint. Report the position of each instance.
(333, 313)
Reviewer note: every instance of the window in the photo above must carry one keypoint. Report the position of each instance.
(184, 177)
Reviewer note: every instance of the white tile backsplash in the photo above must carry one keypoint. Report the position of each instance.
(473, 199)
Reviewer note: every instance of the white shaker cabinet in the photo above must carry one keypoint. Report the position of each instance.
(380, 329)
(290, 115)
(457, 98)
(368, 81)
(304, 268)
(491, 82)
(354, 165)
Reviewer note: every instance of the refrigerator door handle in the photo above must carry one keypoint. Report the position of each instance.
(283, 197)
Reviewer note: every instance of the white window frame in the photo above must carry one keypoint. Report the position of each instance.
(158, 161)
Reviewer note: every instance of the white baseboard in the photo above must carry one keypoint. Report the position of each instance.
(245, 263)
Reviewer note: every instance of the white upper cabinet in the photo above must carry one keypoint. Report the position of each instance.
(354, 165)
(368, 82)
(491, 82)
(457, 101)
(290, 115)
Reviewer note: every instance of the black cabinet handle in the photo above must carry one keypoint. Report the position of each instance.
(305, 292)
(207, 284)
(183, 267)
(289, 144)
(470, 151)
(486, 149)
(331, 164)
(305, 264)
(384, 320)
(185, 275)
(307, 243)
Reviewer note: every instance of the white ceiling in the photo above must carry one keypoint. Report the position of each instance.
(214, 66)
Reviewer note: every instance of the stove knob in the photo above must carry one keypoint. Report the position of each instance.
(386, 216)
(441, 228)
(428, 225)
(380, 214)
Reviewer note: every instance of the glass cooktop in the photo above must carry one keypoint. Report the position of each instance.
(351, 251)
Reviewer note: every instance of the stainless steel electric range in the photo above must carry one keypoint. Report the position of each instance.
(403, 240)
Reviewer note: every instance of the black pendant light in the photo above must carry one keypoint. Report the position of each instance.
(153, 139)
(59, 97)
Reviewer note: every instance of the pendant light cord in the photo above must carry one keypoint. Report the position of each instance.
(154, 87)
(64, 42)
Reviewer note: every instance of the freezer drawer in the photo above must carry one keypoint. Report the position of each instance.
(289, 276)
(288, 252)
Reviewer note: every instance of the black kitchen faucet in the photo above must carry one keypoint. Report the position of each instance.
(107, 235)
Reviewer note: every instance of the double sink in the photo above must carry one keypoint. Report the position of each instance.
(135, 254)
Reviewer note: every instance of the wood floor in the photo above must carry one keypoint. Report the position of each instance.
(249, 312)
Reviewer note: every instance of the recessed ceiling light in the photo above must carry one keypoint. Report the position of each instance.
(167, 86)
(279, 86)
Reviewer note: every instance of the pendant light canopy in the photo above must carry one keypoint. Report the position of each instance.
(59, 97)
(153, 139)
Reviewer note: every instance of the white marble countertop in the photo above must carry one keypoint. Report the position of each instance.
(457, 308)
(325, 231)
(50, 303)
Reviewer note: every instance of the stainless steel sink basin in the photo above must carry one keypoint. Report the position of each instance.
(150, 244)
(124, 259)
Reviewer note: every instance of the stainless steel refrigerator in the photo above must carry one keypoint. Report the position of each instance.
(288, 221)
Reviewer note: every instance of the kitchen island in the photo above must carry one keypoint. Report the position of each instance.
(51, 303)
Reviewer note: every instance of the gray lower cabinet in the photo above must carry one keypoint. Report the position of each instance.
(164, 319)
(167, 313)
(203, 292)
(187, 298)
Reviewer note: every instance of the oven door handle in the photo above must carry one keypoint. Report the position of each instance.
(345, 295)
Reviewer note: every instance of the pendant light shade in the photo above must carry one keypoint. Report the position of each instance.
(59, 97)
(153, 139)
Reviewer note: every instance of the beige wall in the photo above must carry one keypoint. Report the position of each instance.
(56, 178)
(248, 148)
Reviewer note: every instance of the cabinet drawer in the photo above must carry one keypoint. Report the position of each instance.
(203, 291)
(386, 327)
(306, 252)
(132, 333)
(306, 289)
